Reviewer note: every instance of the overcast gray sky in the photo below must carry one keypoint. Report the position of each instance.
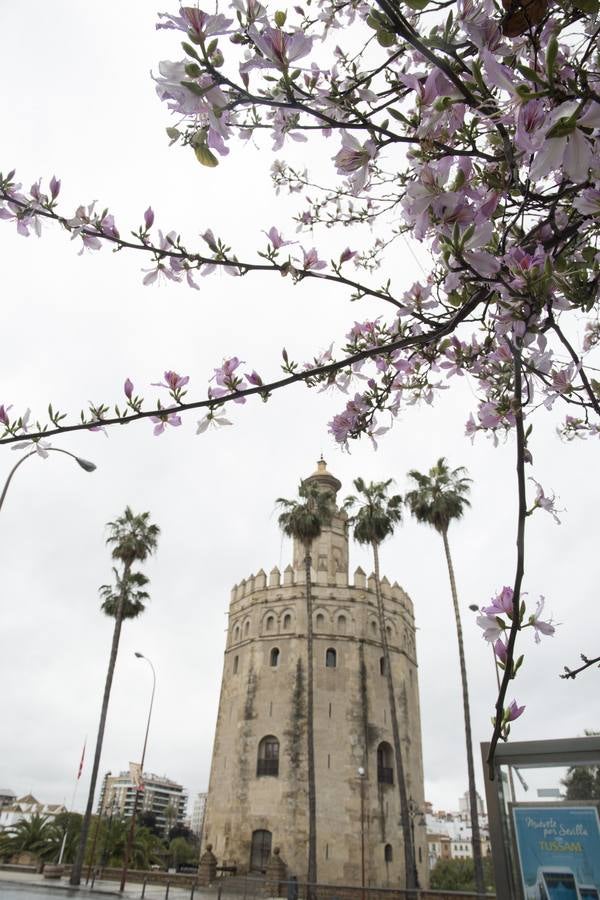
(78, 102)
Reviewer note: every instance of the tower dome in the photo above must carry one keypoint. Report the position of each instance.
(325, 479)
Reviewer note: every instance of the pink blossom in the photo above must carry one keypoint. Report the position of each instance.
(167, 418)
(54, 187)
(492, 629)
(311, 259)
(173, 381)
(224, 374)
(344, 424)
(225, 377)
(346, 255)
(279, 48)
(539, 626)
(149, 218)
(502, 604)
(128, 388)
(4, 414)
(197, 22)
(547, 503)
(572, 151)
(276, 239)
(588, 202)
(354, 159)
(500, 650)
(513, 712)
(211, 420)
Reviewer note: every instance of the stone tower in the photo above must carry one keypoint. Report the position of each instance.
(257, 796)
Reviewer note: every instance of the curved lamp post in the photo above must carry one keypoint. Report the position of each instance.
(361, 774)
(83, 463)
(413, 812)
(137, 787)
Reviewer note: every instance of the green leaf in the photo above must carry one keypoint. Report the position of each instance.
(193, 70)
(205, 156)
(588, 6)
(417, 4)
(398, 115)
(529, 73)
(280, 17)
(190, 51)
(194, 88)
(386, 38)
(551, 54)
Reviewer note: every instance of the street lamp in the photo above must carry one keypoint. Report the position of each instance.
(361, 775)
(137, 787)
(413, 812)
(83, 463)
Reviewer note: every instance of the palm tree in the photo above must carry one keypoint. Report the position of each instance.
(132, 539)
(439, 498)
(38, 835)
(372, 524)
(303, 520)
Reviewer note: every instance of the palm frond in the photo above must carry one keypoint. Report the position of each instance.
(377, 514)
(440, 496)
(304, 519)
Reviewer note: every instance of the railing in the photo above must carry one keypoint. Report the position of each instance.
(267, 767)
(385, 775)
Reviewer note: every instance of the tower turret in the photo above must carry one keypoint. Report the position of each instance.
(330, 551)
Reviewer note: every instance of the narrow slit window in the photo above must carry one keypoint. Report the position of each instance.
(330, 658)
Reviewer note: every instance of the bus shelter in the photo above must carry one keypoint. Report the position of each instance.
(543, 808)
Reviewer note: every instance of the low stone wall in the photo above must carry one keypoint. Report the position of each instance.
(138, 876)
(15, 867)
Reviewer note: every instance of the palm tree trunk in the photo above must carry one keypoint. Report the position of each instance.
(87, 818)
(310, 737)
(476, 835)
(410, 866)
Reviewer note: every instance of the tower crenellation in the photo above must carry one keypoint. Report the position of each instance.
(255, 798)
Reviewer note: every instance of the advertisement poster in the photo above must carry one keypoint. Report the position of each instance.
(558, 850)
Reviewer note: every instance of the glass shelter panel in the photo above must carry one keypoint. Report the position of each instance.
(544, 805)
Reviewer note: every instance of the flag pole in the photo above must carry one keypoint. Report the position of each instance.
(70, 808)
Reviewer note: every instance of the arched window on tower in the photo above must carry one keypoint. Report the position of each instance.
(268, 756)
(287, 622)
(382, 665)
(236, 633)
(270, 623)
(274, 658)
(330, 658)
(246, 629)
(341, 624)
(385, 764)
(320, 622)
(388, 853)
(373, 627)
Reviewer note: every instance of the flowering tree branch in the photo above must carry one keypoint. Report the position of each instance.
(504, 715)
(473, 128)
